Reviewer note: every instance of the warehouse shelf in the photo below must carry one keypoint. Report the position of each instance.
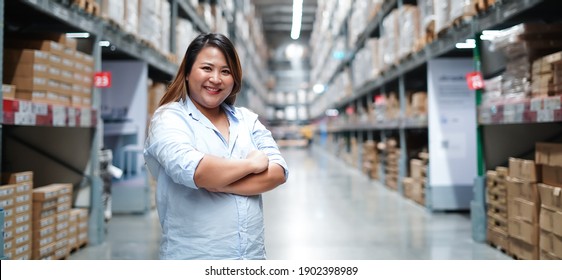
(29, 113)
(533, 110)
(387, 125)
(496, 16)
(134, 48)
(193, 16)
(71, 17)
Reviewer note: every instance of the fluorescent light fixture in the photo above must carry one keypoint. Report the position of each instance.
(490, 34)
(78, 35)
(297, 19)
(318, 88)
(105, 44)
(332, 113)
(469, 44)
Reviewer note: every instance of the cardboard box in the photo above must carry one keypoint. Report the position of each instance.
(43, 241)
(523, 250)
(44, 222)
(7, 202)
(29, 70)
(42, 205)
(552, 175)
(548, 154)
(523, 169)
(24, 187)
(44, 231)
(521, 209)
(551, 221)
(24, 208)
(551, 243)
(7, 191)
(46, 192)
(17, 56)
(551, 197)
(524, 231)
(517, 188)
(22, 228)
(17, 177)
(42, 45)
(8, 91)
(43, 251)
(22, 198)
(548, 256)
(22, 219)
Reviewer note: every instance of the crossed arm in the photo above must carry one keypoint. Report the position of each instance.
(250, 176)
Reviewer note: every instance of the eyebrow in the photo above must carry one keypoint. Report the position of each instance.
(211, 64)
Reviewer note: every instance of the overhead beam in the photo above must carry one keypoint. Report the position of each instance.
(286, 18)
(277, 9)
(284, 27)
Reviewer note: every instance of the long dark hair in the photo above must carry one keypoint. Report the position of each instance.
(178, 88)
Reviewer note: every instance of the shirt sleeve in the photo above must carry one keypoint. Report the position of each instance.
(169, 146)
(264, 142)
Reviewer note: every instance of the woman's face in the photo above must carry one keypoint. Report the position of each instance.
(210, 80)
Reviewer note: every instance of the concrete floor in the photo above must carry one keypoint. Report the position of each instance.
(326, 211)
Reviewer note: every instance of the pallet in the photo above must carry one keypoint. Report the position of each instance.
(498, 247)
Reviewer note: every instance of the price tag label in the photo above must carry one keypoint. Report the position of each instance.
(475, 80)
(102, 79)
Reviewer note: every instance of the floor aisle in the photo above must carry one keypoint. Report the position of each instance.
(327, 210)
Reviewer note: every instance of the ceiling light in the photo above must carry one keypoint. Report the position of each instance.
(104, 43)
(332, 112)
(297, 19)
(294, 51)
(469, 44)
(318, 88)
(78, 35)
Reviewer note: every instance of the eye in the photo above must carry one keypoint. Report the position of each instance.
(226, 72)
(206, 68)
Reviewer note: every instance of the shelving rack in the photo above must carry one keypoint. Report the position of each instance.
(69, 144)
(499, 130)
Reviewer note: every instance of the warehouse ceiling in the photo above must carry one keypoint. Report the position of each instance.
(277, 16)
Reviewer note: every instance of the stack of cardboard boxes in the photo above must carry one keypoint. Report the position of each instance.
(496, 202)
(15, 198)
(370, 159)
(534, 205)
(392, 158)
(49, 70)
(523, 205)
(550, 156)
(414, 186)
(547, 75)
(51, 214)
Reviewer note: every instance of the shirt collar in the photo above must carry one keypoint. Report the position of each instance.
(197, 115)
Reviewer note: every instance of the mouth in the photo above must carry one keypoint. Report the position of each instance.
(213, 90)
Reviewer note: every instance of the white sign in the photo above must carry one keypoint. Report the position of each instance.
(452, 133)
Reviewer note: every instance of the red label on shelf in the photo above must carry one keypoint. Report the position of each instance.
(475, 80)
(102, 79)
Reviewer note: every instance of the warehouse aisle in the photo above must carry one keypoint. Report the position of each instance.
(326, 210)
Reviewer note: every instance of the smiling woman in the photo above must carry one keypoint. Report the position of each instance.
(211, 160)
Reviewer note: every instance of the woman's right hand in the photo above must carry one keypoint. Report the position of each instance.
(259, 161)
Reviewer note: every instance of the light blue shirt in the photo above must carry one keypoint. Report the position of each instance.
(196, 223)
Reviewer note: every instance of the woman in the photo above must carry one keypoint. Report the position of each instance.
(211, 160)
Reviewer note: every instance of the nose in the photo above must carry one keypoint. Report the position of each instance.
(215, 77)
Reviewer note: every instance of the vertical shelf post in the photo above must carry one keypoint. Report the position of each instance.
(1, 118)
(96, 225)
(402, 161)
(478, 204)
